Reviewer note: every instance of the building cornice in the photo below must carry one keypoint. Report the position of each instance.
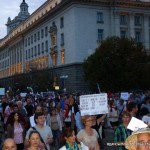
(44, 14)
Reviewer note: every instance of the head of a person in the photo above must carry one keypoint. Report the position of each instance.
(143, 141)
(28, 101)
(45, 110)
(34, 138)
(147, 100)
(132, 107)
(144, 111)
(121, 101)
(14, 117)
(15, 108)
(39, 118)
(126, 117)
(38, 109)
(19, 103)
(139, 140)
(53, 111)
(87, 120)
(68, 136)
(9, 144)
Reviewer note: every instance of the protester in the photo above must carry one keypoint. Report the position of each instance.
(121, 132)
(47, 116)
(139, 140)
(16, 130)
(132, 109)
(113, 115)
(68, 139)
(44, 131)
(9, 144)
(88, 136)
(67, 116)
(55, 124)
(34, 140)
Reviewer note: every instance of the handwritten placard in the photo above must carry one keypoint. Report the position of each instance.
(93, 104)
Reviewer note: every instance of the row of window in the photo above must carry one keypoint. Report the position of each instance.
(37, 50)
(3, 55)
(4, 64)
(36, 36)
(123, 33)
(138, 19)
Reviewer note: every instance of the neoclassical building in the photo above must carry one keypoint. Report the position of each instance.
(60, 34)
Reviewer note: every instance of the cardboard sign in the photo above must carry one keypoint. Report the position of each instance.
(93, 104)
(124, 95)
(136, 124)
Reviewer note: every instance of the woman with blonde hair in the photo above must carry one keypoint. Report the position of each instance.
(88, 136)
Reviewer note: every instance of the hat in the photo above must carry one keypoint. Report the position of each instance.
(131, 141)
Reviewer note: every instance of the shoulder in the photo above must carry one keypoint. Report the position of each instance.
(84, 147)
(63, 148)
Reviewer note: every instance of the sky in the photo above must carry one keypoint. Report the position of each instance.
(11, 8)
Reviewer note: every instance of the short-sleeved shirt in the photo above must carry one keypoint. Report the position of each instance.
(45, 133)
(87, 140)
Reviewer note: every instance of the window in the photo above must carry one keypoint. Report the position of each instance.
(38, 35)
(32, 52)
(46, 45)
(31, 39)
(123, 19)
(61, 22)
(35, 50)
(149, 21)
(137, 20)
(138, 36)
(100, 34)
(46, 31)
(42, 47)
(42, 33)
(62, 57)
(54, 59)
(39, 49)
(29, 53)
(35, 37)
(25, 42)
(28, 40)
(62, 39)
(26, 54)
(100, 17)
(123, 34)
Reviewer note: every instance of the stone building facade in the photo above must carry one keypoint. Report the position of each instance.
(60, 34)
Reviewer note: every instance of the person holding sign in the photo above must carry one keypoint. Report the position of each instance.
(88, 136)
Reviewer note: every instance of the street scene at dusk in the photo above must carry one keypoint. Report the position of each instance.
(75, 75)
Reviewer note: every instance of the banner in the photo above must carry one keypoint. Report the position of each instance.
(93, 104)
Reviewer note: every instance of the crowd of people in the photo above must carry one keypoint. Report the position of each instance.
(31, 123)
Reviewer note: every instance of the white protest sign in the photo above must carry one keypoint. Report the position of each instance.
(93, 104)
(124, 95)
(136, 124)
(23, 94)
(2, 91)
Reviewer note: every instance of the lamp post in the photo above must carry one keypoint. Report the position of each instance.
(63, 77)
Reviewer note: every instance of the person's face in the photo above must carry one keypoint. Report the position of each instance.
(34, 139)
(71, 139)
(136, 109)
(15, 109)
(89, 122)
(40, 120)
(16, 117)
(126, 119)
(143, 141)
(38, 109)
(54, 112)
(9, 145)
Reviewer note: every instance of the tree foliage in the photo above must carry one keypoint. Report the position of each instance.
(118, 64)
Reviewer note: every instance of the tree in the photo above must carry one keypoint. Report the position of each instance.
(118, 64)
